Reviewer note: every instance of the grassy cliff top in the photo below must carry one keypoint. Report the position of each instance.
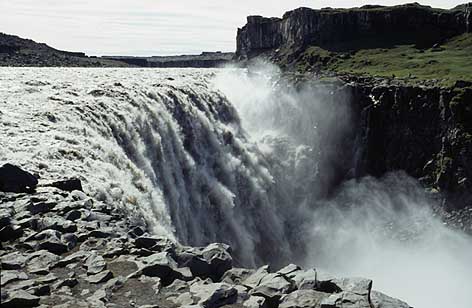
(446, 62)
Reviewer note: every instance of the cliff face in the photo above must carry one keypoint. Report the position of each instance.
(425, 131)
(340, 29)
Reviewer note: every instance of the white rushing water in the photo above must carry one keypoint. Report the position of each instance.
(222, 155)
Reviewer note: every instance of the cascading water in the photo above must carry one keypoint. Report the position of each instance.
(237, 157)
(158, 141)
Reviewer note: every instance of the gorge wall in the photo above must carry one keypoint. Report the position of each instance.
(424, 131)
(339, 29)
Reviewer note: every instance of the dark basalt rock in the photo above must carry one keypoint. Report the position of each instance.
(68, 185)
(15, 179)
(19, 298)
(340, 29)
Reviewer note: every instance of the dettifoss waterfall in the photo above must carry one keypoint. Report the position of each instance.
(236, 156)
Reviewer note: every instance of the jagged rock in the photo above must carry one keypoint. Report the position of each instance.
(256, 302)
(40, 290)
(68, 185)
(95, 264)
(70, 239)
(345, 299)
(306, 279)
(303, 299)
(14, 179)
(73, 215)
(8, 276)
(359, 286)
(100, 233)
(155, 244)
(78, 195)
(13, 261)
(56, 223)
(289, 270)
(273, 286)
(255, 278)
(47, 279)
(72, 258)
(5, 217)
(41, 207)
(10, 233)
(54, 245)
(209, 262)
(214, 295)
(161, 265)
(100, 277)
(41, 260)
(69, 282)
(219, 258)
(380, 300)
(236, 275)
(355, 293)
(20, 298)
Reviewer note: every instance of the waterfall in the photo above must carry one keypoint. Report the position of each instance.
(235, 156)
(160, 142)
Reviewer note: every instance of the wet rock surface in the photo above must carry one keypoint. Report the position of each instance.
(54, 255)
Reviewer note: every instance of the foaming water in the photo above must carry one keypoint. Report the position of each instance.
(158, 142)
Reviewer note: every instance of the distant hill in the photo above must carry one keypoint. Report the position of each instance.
(16, 51)
(205, 59)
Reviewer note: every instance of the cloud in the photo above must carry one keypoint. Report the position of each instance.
(146, 27)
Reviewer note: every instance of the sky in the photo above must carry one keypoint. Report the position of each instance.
(149, 27)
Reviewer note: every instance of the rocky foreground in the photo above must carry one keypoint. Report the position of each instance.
(62, 248)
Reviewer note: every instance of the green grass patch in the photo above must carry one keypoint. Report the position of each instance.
(447, 62)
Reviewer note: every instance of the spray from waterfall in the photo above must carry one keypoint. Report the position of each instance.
(384, 229)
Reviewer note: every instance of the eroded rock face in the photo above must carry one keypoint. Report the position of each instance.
(331, 28)
(425, 131)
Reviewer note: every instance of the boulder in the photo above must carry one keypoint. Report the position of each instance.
(100, 277)
(15, 179)
(68, 185)
(273, 286)
(236, 275)
(345, 299)
(41, 260)
(95, 264)
(289, 270)
(380, 300)
(214, 295)
(155, 243)
(303, 299)
(10, 233)
(161, 265)
(255, 302)
(305, 279)
(13, 261)
(19, 298)
(40, 207)
(218, 256)
(255, 278)
(8, 276)
(68, 282)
